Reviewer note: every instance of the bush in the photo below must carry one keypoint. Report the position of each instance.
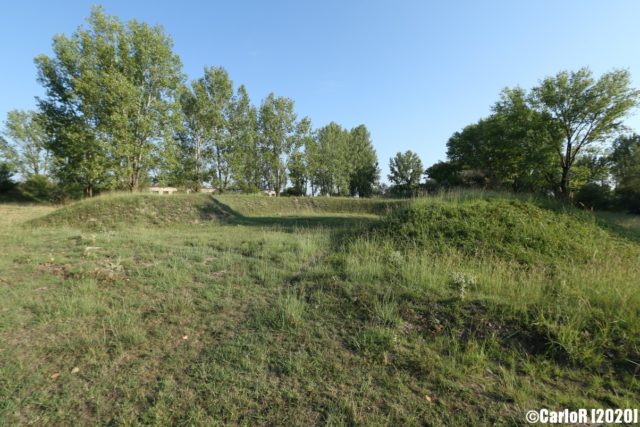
(594, 197)
(628, 198)
(248, 188)
(39, 189)
(6, 183)
(293, 191)
(474, 178)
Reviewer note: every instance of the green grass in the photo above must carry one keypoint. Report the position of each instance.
(259, 205)
(249, 310)
(125, 210)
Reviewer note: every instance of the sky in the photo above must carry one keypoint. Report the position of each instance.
(413, 72)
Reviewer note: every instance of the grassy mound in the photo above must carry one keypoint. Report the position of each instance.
(513, 276)
(258, 320)
(259, 205)
(508, 228)
(128, 209)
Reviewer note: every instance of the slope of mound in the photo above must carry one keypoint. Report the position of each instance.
(516, 230)
(140, 209)
(259, 205)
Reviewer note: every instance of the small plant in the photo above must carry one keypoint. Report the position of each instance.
(385, 310)
(461, 282)
(395, 259)
(286, 313)
(374, 341)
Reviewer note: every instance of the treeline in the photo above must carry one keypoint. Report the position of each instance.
(118, 114)
(563, 137)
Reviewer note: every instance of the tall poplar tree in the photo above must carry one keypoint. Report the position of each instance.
(279, 137)
(29, 139)
(110, 91)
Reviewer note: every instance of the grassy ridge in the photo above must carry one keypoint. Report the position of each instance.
(138, 209)
(282, 318)
(566, 278)
(510, 228)
(259, 205)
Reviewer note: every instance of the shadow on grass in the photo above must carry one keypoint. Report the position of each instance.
(609, 224)
(288, 223)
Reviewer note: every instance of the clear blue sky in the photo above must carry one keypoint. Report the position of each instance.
(413, 71)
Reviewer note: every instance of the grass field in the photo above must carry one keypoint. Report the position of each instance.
(466, 309)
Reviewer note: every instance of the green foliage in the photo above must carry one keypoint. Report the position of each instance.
(625, 167)
(512, 148)
(405, 171)
(594, 196)
(548, 139)
(207, 147)
(39, 188)
(247, 163)
(7, 166)
(6, 173)
(117, 115)
(365, 172)
(585, 110)
(329, 162)
(28, 150)
(280, 135)
(297, 174)
(342, 162)
(110, 92)
(445, 174)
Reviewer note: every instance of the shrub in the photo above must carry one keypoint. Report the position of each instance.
(6, 183)
(39, 188)
(594, 197)
(628, 198)
(293, 191)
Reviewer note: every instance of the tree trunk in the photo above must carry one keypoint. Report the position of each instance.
(566, 166)
(198, 184)
(564, 183)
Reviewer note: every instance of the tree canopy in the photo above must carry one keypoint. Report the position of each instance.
(552, 138)
(117, 114)
(406, 170)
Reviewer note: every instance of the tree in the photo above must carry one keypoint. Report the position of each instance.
(247, 164)
(279, 137)
(329, 160)
(110, 89)
(218, 93)
(80, 155)
(406, 170)
(445, 174)
(205, 134)
(527, 142)
(625, 168)
(8, 154)
(364, 170)
(587, 111)
(29, 142)
(7, 165)
(191, 135)
(297, 167)
(625, 157)
(513, 147)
